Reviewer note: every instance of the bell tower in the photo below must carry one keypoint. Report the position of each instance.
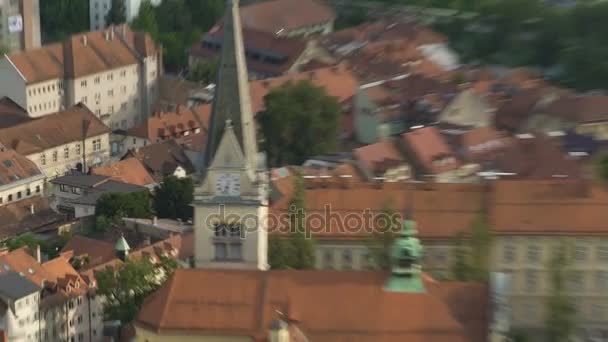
(230, 199)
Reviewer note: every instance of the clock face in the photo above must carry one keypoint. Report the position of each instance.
(228, 184)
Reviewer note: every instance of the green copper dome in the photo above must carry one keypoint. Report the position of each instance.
(405, 256)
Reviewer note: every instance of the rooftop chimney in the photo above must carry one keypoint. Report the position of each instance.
(154, 220)
(279, 331)
(38, 254)
(32, 209)
(84, 39)
(346, 181)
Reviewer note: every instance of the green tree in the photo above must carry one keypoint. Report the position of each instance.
(297, 250)
(146, 20)
(126, 286)
(61, 18)
(560, 321)
(602, 167)
(473, 251)
(117, 13)
(203, 71)
(300, 121)
(115, 206)
(172, 198)
(381, 241)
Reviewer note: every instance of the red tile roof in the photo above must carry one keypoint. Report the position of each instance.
(11, 113)
(97, 251)
(15, 167)
(431, 151)
(271, 16)
(243, 303)
(375, 157)
(71, 125)
(258, 43)
(173, 124)
(84, 54)
(337, 81)
(21, 261)
(17, 218)
(130, 171)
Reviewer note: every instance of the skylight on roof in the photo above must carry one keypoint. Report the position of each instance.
(7, 163)
(6, 267)
(30, 271)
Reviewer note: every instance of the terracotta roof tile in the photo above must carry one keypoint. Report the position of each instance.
(273, 15)
(374, 156)
(15, 167)
(337, 81)
(84, 54)
(130, 171)
(11, 113)
(431, 151)
(21, 261)
(98, 251)
(245, 302)
(172, 124)
(482, 141)
(162, 159)
(259, 44)
(17, 217)
(53, 130)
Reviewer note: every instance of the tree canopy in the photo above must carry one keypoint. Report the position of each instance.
(473, 252)
(112, 207)
(297, 250)
(300, 121)
(125, 287)
(203, 71)
(117, 13)
(172, 198)
(61, 18)
(560, 320)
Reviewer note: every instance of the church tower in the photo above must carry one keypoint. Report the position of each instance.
(230, 200)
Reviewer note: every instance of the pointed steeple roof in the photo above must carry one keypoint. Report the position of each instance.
(232, 99)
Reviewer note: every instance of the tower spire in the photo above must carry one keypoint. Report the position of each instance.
(232, 99)
(405, 256)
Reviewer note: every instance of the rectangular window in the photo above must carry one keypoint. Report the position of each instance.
(111, 109)
(77, 149)
(63, 188)
(220, 251)
(28, 192)
(580, 253)
(111, 92)
(601, 281)
(18, 194)
(55, 156)
(43, 159)
(123, 106)
(531, 279)
(533, 253)
(110, 76)
(235, 252)
(328, 259)
(66, 152)
(83, 83)
(10, 198)
(508, 254)
(37, 188)
(96, 80)
(602, 253)
(347, 259)
(84, 99)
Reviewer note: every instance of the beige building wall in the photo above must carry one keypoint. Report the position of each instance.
(44, 98)
(58, 160)
(21, 189)
(598, 130)
(112, 95)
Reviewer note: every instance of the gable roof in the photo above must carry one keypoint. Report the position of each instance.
(98, 251)
(162, 159)
(83, 54)
(15, 167)
(172, 124)
(71, 125)
(337, 81)
(431, 151)
(243, 303)
(15, 286)
(22, 262)
(272, 16)
(377, 157)
(11, 113)
(258, 46)
(130, 171)
(17, 217)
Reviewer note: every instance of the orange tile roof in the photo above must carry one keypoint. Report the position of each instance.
(375, 155)
(61, 272)
(172, 124)
(15, 167)
(130, 171)
(21, 261)
(484, 140)
(98, 251)
(429, 148)
(243, 303)
(71, 125)
(274, 15)
(338, 81)
(83, 54)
